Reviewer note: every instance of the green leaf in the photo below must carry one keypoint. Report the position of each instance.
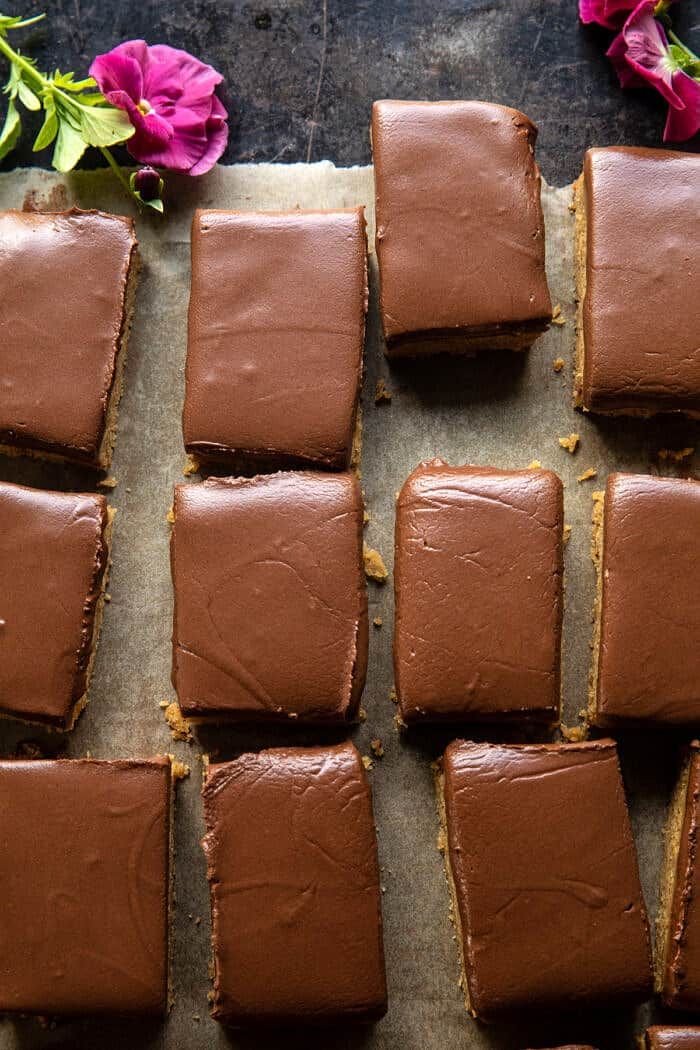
(67, 82)
(12, 86)
(27, 96)
(11, 130)
(17, 22)
(105, 125)
(156, 204)
(70, 146)
(48, 129)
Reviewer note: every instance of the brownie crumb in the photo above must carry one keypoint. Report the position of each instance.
(192, 466)
(573, 734)
(392, 695)
(362, 715)
(377, 621)
(557, 315)
(567, 534)
(367, 762)
(570, 443)
(377, 748)
(534, 464)
(558, 364)
(170, 516)
(587, 475)
(107, 483)
(375, 569)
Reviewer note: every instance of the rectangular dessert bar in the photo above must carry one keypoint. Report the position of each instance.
(460, 231)
(270, 598)
(478, 578)
(276, 336)
(292, 864)
(638, 266)
(54, 554)
(85, 886)
(670, 1037)
(542, 866)
(62, 352)
(646, 652)
(678, 927)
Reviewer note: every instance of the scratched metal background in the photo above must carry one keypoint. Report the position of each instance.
(497, 408)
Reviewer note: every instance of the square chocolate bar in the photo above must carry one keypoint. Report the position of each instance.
(460, 231)
(543, 872)
(478, 577)
(638, 273)
(646, 660)
(671, 1037)
(276, 335)
(62, 346)
(54, 553)
(292, 863)
(270, 598)
(85, 885)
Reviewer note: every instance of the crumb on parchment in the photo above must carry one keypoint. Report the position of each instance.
(367, 762)
(107, 483)
(557, 317)
(675, 456)
(362, 715)
(377, 621)
(382, 394)
(567, 534)
(375, 569)
(534, 464)
(558, 364)
(587, 475)
(192, 466)
(377, 748)
(570, 443)
(392, 695)
(179, 727)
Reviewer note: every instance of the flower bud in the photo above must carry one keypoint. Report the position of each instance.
(148, 183)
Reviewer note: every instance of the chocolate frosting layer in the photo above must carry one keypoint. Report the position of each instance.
(460, 232)
(672, 1037)
(681, 979)
(53, 556)
(84, 884)
(478, 578)
(642, 269)
(270, 597)
(649, 652)
(545, 876)
(58, 345)
(292, 864)
(276, 333)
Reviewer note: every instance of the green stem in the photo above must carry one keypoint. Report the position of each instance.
(679, 43)
(45, 84)
(118, 172)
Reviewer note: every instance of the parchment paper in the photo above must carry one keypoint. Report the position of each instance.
(501, 409)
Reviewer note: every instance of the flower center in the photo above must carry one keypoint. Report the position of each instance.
(144, 106)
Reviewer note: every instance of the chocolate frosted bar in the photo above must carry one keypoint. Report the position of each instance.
(84, 880)
(478, 577)
(671, 1037)
(638, 272)
(270, 598)
(460, 232)
(54, 549)
(68, 282)
(276, 334)
(647, 640)
(543, 871)
(292, 864)
(678, 955)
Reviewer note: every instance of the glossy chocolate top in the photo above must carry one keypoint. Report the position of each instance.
(672, 1037)
(59, 341)
(545, 874)
(649, 660)
(681, 979)
(276, 333)
(270, 597)
(292, 861)
(460, 232)
(53, 556)
(478, 577)
(641, 312)
(84, 881)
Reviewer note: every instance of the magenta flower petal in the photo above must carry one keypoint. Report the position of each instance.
(683, 123)
(169, 97)
(217, 139)
(617, 53)
(608, 13)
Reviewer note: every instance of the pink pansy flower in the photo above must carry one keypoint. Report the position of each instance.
(608, 13)
(169, 96)
(642, 57)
